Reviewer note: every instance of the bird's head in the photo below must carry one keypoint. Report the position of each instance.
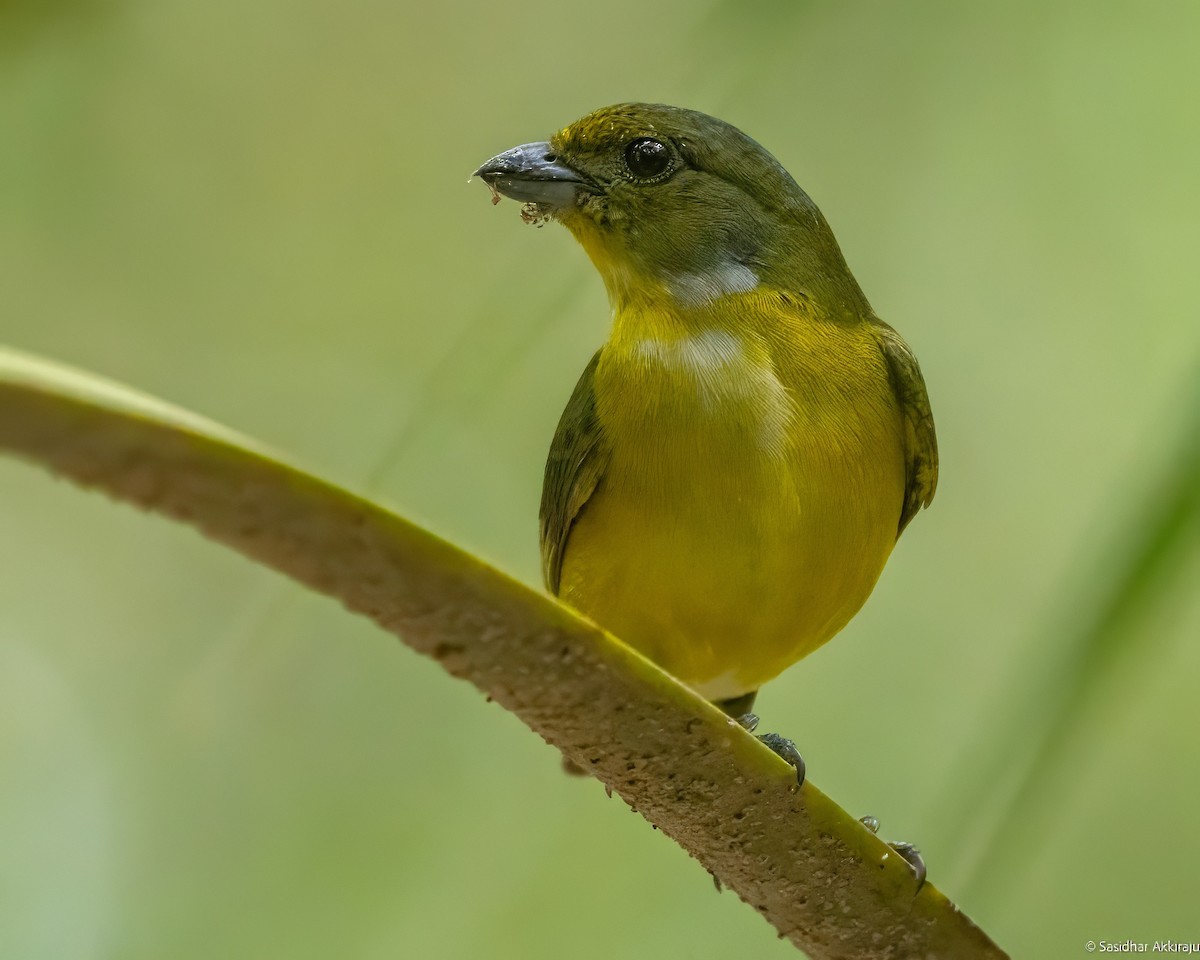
(672, 202)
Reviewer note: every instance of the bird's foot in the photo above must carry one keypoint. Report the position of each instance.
(910, 854)
(779, 745)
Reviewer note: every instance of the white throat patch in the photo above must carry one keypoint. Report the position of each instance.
(697, 289)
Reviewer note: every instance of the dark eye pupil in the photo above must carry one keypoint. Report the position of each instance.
(647, 157)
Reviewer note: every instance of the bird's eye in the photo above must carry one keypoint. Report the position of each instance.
(647, 158)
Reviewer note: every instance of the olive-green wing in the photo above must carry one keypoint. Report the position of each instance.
(920, 440)
(578, 458)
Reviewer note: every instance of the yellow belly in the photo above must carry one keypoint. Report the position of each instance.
(750, 504)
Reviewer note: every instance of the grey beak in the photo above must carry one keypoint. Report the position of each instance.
(531, 173)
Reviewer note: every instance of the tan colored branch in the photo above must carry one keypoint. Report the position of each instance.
(805, 864)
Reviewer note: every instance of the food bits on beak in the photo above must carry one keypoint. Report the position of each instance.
(534, 214)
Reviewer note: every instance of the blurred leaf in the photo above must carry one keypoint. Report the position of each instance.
(1018, 775)
(22, 21)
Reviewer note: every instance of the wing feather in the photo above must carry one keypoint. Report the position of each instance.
(920, 439)
(579, 456)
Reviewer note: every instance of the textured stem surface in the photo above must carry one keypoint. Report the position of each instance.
(811, 869)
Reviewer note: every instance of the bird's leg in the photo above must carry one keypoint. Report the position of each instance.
(739, 709)
(910, 854)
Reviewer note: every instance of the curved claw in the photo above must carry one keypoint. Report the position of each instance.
(779, 745)
(914, 859)
(785, 748)
(910, 854)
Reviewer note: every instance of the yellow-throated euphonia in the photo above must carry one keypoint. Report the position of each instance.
(737, 461)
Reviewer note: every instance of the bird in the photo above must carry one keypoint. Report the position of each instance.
(737, 461)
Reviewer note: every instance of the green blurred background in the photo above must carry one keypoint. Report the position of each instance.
(259, 210)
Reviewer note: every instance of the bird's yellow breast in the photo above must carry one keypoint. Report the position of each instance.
(753, 492)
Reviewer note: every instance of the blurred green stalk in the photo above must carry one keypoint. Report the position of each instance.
(1016, 788)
